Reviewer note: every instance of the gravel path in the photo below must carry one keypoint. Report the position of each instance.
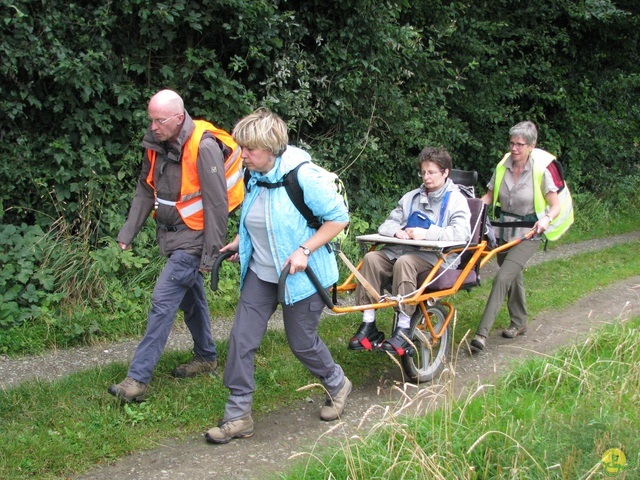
(284, 433)
(58, 363)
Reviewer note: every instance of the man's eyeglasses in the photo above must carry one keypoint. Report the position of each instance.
(429, 173)
(162, 121)
(517, 145)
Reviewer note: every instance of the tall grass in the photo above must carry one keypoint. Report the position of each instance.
(548, 417)
(69, 425)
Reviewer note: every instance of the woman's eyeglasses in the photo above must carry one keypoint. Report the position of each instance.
(429, 173)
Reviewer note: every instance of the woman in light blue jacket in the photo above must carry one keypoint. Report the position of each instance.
(274, 235)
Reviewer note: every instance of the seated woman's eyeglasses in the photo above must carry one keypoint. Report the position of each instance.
(517, 145)
(429, 174)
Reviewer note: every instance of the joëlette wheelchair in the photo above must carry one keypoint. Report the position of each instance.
(430, 335)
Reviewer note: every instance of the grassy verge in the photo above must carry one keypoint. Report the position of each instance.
(551, 417)
(62, 290)
(52, 430)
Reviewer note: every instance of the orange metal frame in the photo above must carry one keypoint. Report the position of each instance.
(423, 298)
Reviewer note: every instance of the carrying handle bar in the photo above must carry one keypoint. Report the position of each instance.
(312, 276)
(216, 267)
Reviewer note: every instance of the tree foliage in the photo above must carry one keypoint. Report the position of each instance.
(365, 85)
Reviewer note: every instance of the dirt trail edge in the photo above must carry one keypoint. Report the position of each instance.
(289, 431)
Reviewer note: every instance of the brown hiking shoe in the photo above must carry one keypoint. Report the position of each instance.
(129, 390)
(513, 331)
(335, 406)
(195, 366)
(226, 431)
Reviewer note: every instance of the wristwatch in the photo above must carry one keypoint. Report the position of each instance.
(305, 250)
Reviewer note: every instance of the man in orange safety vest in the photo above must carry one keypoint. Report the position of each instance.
(183, 184)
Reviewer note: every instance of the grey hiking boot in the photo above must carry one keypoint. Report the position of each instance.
(335, 406)
(479, 342)
(129, 390)
(226, 431)
(513, 331)
(195, 366)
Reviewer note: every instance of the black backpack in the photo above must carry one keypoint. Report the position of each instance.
(292, 186)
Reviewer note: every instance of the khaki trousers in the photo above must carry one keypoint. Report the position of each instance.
(509, 282)
(402, 274)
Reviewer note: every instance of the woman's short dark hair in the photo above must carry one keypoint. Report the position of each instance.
(439, 156)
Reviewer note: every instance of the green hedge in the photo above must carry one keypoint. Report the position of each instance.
(364, 85)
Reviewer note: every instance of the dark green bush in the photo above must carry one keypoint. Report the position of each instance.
(26, 289)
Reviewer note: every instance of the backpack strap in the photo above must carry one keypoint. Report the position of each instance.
(294, 190)
(443, 207)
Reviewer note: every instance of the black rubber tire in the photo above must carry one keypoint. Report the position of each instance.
(427, 363)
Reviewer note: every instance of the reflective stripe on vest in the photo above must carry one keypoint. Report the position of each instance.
(541, 160)
(191, 209)
(234, 172)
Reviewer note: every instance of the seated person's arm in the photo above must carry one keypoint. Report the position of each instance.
(457, 227)
(397, 219)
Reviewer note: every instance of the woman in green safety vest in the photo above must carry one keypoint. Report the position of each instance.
(522, 190)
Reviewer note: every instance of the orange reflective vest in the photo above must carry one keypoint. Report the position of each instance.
(190, 203)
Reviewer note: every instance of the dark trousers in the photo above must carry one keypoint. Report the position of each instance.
(258, 301)
(180, 285)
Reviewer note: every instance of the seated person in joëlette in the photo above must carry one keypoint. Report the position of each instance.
(436, 210)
